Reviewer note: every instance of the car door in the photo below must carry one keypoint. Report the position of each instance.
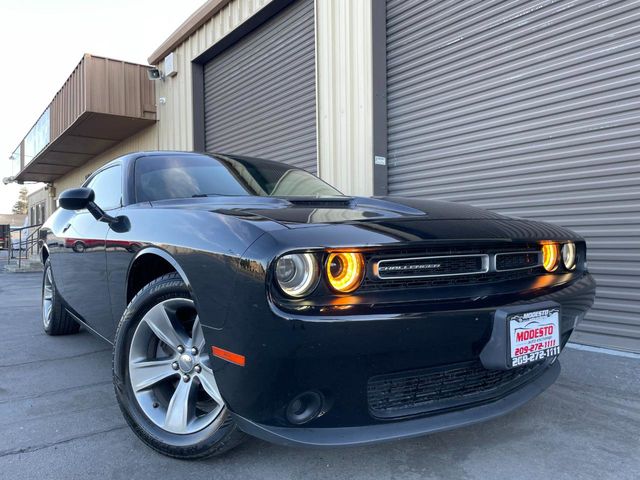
(84, 267)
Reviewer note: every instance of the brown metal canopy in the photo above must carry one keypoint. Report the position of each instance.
(103, 102)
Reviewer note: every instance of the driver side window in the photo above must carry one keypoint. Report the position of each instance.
(107, 186)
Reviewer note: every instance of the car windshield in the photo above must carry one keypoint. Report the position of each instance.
(174, 176)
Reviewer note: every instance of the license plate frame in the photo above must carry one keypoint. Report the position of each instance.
(496, 354)
(534, 336)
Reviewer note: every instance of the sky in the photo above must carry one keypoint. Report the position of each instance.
(43, 41)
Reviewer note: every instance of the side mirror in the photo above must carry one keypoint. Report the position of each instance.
(76, 198)
(81, 198)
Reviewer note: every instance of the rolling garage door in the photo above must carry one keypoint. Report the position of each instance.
(260, 94)
(528, 108)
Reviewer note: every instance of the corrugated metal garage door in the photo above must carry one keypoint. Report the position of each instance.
(529, 108)
(260, 94)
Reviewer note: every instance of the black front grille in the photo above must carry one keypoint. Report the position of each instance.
(371, 284)
(431, 266)
(423, 391)
(516, 260)
(456, 267)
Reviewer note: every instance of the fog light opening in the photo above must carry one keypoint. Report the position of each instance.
(305, 407)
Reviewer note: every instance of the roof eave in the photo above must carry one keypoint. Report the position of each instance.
(188, 27)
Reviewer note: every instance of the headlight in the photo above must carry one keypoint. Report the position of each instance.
(297, 274)
(569, 255)
(550, 256)
(345, 271)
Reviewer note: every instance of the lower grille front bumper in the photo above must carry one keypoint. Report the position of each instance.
(363, 435)
(443, 388)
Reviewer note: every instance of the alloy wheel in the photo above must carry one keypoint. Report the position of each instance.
(169, 369)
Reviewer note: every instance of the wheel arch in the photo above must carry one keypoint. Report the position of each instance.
(149, 264)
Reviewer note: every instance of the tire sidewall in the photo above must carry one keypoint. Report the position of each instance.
(184, 446)
(54, 298)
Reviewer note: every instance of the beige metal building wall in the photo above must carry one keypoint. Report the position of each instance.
(345, 94)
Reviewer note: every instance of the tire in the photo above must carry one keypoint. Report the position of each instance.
(159, 316)
(55, 318)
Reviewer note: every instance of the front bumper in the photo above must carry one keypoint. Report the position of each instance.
(349, 436)
(289, 354)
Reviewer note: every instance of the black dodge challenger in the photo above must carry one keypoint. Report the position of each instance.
(244, 296)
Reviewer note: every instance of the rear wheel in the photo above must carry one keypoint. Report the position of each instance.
(55, 319)
(164, 383)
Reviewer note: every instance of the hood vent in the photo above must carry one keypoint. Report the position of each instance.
(320, 202)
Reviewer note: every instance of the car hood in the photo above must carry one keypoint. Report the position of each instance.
(295, 212)
(365, 221)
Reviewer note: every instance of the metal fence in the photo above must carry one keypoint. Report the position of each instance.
(26, 245)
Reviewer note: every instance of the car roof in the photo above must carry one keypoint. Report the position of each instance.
(128, 160)
(163, 153)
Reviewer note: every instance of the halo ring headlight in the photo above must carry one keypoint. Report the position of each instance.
(345, 271)
(550, 257)
(569, 255)
(297, 274)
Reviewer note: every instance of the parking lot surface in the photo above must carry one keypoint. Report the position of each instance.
(59, 419)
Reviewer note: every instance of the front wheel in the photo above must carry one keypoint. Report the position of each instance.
(163, 380)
